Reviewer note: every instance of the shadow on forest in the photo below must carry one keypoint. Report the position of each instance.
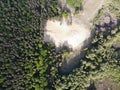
(69, 64)
(91, 86)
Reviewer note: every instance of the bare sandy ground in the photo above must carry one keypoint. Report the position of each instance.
(73, 35)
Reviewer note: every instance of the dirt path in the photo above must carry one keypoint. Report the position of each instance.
(90, 9)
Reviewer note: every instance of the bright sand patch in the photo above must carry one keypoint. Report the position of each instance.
(71, 35)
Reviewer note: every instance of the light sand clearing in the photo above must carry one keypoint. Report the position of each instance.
(73, 35)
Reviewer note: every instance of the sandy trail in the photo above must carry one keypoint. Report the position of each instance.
(73, 36)
(90, 9)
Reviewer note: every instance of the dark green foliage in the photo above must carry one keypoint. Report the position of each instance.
(77, 4)
(25, 59)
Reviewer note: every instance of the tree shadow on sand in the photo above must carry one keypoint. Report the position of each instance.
(69, 64)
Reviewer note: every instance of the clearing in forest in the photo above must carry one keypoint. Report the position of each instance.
(73, 35)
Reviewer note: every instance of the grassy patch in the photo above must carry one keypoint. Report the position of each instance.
(77, 4)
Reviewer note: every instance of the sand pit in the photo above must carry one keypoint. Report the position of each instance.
(72, 35)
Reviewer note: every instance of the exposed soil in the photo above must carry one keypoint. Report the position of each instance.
(71, 35)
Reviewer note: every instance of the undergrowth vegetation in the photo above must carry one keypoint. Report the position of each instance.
(25, 59)
(77, 4)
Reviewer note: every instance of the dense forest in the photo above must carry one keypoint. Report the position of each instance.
(29, 63)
